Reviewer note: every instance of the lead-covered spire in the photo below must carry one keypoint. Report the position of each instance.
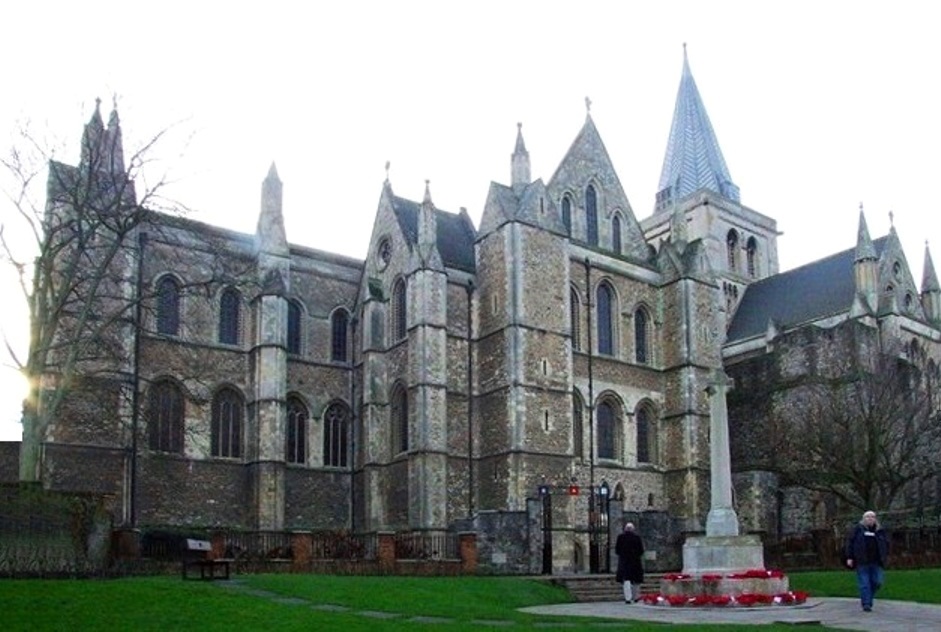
(519, 162)
(693, 158)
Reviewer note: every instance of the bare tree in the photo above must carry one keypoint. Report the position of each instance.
(864, 433)
(74, 254)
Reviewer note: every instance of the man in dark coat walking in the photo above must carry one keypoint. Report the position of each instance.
(630, 550)
(866, 550)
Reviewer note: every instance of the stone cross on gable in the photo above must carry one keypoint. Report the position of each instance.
(588, 105)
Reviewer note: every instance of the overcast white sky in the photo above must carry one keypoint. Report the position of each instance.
(817, 106)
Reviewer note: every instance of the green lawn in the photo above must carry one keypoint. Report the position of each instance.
(169, 603)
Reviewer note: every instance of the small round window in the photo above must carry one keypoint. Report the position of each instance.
(384, 253)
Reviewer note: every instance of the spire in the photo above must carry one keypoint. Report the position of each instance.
(427, 229)
(929, 278)
(866, 265)
(114, 149)
(864, 249)
(92, 137)
(519, 162)
(693, 158)
(270, 233)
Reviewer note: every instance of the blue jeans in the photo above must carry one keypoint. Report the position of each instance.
(869, 578)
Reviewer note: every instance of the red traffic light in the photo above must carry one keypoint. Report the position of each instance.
(573, 490)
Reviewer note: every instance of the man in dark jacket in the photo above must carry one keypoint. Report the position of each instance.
(867, 550)
(630, 550)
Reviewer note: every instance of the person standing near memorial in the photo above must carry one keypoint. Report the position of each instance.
(630, 550)
(867, 550)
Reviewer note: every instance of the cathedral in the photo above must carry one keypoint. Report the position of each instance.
(543, 374)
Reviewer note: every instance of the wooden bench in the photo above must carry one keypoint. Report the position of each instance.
(198, 554)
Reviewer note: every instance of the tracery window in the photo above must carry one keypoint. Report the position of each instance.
(399, 419)
(165, 417)
(226, 434)
(607, 424)
(591, 214)
(605, 318)
(399, 315)
(336, 424)
(339, 325)
(294, 327)
(641, 336)
(168, 306)
(229, 315)
(295, 444)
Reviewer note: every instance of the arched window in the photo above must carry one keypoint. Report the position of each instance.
(339, 323)
(751, 252)
(605, 314)
(731, 241)
(399, 419)
(165, 417)
(641, 336)
(567, 214)
(399, 316)
(296, 435)
(591, 214)
(646, 447)
(575, 319)
(168, 306)
(294, 327)
(227, 424)
(578, 424)
(616, 234)
(336, 429)
(229, 316)
(607, 423)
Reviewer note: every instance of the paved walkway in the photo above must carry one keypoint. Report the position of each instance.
(887, 616)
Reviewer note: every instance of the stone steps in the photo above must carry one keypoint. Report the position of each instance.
(593, 588)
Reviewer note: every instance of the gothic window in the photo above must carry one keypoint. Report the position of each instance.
(336, 428)
(641, 336)
(646, 435)
(751, 252)
(229, 316)
(605, 315)
(607, 423)
(399, 320)
(616, 234)
(339, 323)
(296, 435)
(567, 215)
(591, 214)
(165, 418)
(399, 419)
(226, 433)
(168, 306)
(731, 242)
(294, 327)
(578, 426)
(575, 319)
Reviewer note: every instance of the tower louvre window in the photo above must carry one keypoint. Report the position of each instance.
(731, 241)
(567, 214)
(751, 253)
(399, 316)
(616, 234)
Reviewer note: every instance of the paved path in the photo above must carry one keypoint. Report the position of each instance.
(886, 616)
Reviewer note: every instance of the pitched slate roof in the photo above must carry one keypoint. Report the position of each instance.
(456, 233)
(814, 291)
(693, 159)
